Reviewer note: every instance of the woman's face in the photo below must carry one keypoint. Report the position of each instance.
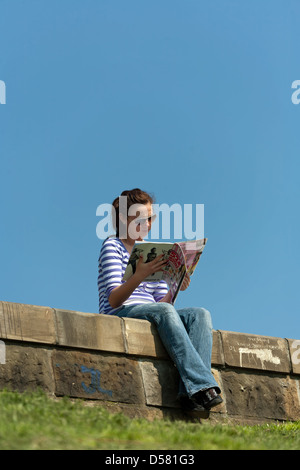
(139, 223)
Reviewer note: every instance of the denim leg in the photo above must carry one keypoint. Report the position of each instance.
(198, 324)
(187, 337)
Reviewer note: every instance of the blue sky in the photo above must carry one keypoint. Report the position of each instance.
(189, 100)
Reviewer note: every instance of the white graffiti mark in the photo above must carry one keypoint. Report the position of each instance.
(263, 355)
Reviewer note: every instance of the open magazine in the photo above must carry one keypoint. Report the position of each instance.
(182, 258)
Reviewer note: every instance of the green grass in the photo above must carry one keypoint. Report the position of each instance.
(36, 422)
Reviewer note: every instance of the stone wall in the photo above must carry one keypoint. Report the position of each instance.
(121, 364)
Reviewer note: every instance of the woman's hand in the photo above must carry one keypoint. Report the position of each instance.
(123, 291)
(146, 269)
(186, 282)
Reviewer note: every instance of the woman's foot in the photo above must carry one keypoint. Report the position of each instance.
(189, 404)
(192, 408)
(201, 402)
(208, 398)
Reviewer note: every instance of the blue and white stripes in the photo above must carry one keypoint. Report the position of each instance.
(113, 260)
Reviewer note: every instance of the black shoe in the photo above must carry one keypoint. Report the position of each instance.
(208, 398)
(193, 408)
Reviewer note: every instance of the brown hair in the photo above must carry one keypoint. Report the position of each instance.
(134, 196)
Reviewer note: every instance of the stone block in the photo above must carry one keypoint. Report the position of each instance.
(217, 357)
(258, 395)
(89, 331)
(27, 368)
(294, 347)
(161, 382)
(142, 339)
(292, 398)
(255, 352)
(97, 376)
(150, 413)
(27, 323)
(222, 407)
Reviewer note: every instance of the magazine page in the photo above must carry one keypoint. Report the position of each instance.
(149, 251)
(175, 270)
(181, 257)
(192, 250)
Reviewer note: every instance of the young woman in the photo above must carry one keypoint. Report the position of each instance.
(186, 333)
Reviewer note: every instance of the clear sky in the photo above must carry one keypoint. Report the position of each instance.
(187, 99)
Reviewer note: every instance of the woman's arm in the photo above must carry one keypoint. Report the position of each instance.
(185, 283)
(167, 298)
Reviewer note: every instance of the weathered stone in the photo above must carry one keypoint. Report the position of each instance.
(294, 346)
(255, 352)
(217, 357)
(27, 323)
(123, 364)
(142, 339)
(89, 330)
(161, 382)
(292, 398)
(222, 407)
(27, 368)
(256, 395)
(90, 375)
(140, 411)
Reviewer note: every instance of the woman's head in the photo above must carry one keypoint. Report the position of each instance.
(132, 214)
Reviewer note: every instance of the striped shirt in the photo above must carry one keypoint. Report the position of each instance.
(113, 260)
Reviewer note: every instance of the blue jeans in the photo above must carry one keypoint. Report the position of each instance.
(187, 336)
